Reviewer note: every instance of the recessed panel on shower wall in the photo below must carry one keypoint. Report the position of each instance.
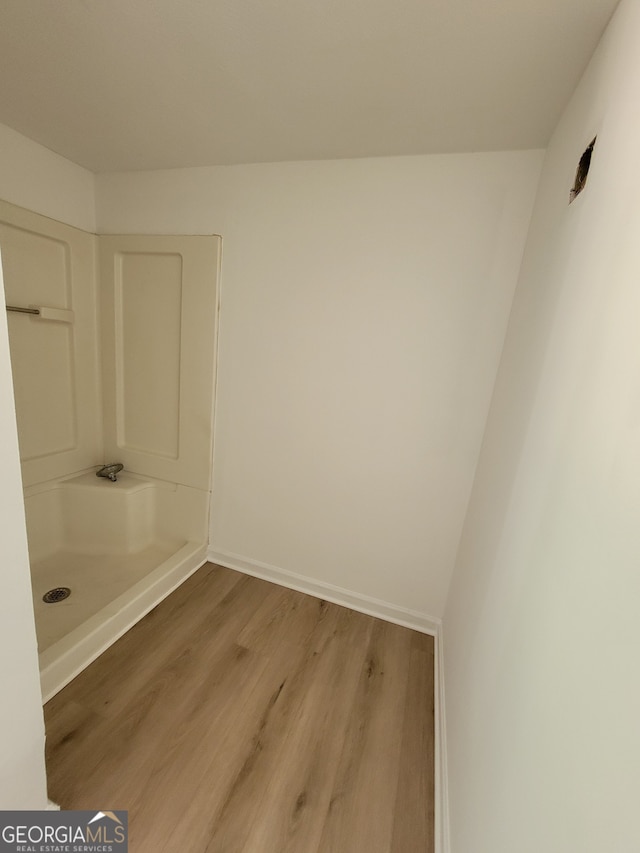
(159, 315)
(48, 265)
(36, 270)
(148, 354)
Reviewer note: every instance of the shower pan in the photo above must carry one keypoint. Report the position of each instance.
(119, 547)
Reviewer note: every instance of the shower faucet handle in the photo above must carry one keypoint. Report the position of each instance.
(110, 472)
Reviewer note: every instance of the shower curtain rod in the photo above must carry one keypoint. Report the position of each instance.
(61, 315)
(23, 310)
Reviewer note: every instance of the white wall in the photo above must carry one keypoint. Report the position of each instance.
(22, 771)
(31, 176)
(364, 305)
(541, 627)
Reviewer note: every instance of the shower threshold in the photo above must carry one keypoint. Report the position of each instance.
(109, 594)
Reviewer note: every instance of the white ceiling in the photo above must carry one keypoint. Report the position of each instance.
(146, 84)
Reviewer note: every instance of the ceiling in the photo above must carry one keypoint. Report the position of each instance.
(146, 84)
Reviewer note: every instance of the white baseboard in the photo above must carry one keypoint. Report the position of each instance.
(390, 613)
(443, 841)
(319, 589)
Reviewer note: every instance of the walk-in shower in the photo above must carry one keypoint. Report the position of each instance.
(113, 357)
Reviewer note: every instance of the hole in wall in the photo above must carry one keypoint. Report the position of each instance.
(582, 171)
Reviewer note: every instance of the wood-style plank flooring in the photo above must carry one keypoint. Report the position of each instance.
(242, 717)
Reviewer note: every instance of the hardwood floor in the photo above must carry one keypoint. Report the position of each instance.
(242, 717)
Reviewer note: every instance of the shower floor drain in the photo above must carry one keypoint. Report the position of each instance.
(57, 594)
